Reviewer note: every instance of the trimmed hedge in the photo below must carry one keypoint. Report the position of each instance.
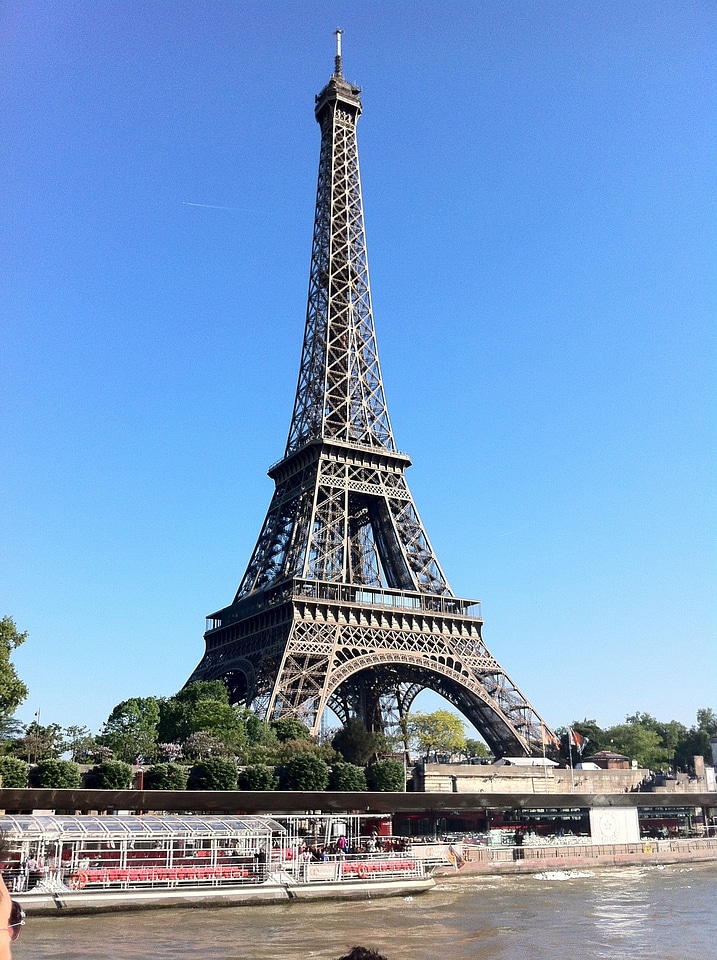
(166, 776)
(57, 774)
(216, 773)
(13, 772)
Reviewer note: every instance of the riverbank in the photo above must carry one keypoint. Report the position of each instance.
(487, 861)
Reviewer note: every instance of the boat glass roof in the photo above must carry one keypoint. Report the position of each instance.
(25, 827)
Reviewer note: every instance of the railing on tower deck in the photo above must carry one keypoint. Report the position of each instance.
(344, 451)
(345, 593)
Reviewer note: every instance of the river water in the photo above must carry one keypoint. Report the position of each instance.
(654, 913)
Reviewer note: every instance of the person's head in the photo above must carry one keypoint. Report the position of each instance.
(362, 953)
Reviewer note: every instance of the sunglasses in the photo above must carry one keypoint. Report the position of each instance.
(16, 921)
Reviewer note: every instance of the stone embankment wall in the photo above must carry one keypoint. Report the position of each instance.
(470, 778)
(479, 860)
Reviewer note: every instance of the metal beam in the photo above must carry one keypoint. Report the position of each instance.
(298, 801)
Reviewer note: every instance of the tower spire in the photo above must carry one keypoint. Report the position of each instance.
(337, 60)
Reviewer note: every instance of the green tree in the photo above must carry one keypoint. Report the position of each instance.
(11, 728)
(200, 746)
(387, 776)
(696, 741)
(80, 743)
(222, 721)
(259, 733)
(290, 748)
(12, 690)
(203, 707)
(110, 775)
(355, 743)
(437, 732)
(305, 771)
(216, 773)
(347, 776)
(289, 728)
(130, 731)
(638, 743)
(165, 776)
(176, 713)
(259, 776)
(475, 748)
(707, 721)
(39, 742)
(262, 743)
(13, 772)
(57, 774)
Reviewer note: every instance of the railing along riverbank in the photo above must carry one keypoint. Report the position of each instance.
(479, 859)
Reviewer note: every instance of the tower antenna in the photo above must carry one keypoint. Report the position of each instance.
(337, 62)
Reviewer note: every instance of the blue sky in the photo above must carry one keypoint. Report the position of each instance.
(539, 189)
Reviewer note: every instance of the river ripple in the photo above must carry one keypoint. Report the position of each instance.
(628, 914)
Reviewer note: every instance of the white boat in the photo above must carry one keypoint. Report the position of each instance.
(83, 864)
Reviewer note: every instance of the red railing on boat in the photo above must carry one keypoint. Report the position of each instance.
(81, 878)
(349, 870)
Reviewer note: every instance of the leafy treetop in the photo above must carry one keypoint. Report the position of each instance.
(437, 732)
(12, 690)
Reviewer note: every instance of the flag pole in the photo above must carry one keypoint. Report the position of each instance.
(570, 754)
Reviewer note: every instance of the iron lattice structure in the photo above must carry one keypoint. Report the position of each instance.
(343, 603)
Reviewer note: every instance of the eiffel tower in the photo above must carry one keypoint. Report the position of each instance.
(344, 603)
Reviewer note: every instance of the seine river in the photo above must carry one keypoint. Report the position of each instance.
(629, 914)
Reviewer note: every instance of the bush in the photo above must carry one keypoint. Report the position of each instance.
(347, 776)
(260, 776)
(305, 771)
(289, 728)
(355, 743)
(13, 772)
(60, 774)
(165, 776)
(216, 773)
(387, 775)
(110, 775)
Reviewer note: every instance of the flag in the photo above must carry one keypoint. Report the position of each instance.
(579, 741)
(548, 737)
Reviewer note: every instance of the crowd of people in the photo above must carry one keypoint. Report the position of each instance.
(343, 847)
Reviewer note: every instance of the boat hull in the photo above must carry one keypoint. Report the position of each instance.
(39, 903)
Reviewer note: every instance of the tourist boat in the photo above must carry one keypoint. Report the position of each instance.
(82, 864)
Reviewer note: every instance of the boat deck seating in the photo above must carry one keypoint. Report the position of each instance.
(361, 870)
(81, 878)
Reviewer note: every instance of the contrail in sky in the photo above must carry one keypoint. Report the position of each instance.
(207, 206)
